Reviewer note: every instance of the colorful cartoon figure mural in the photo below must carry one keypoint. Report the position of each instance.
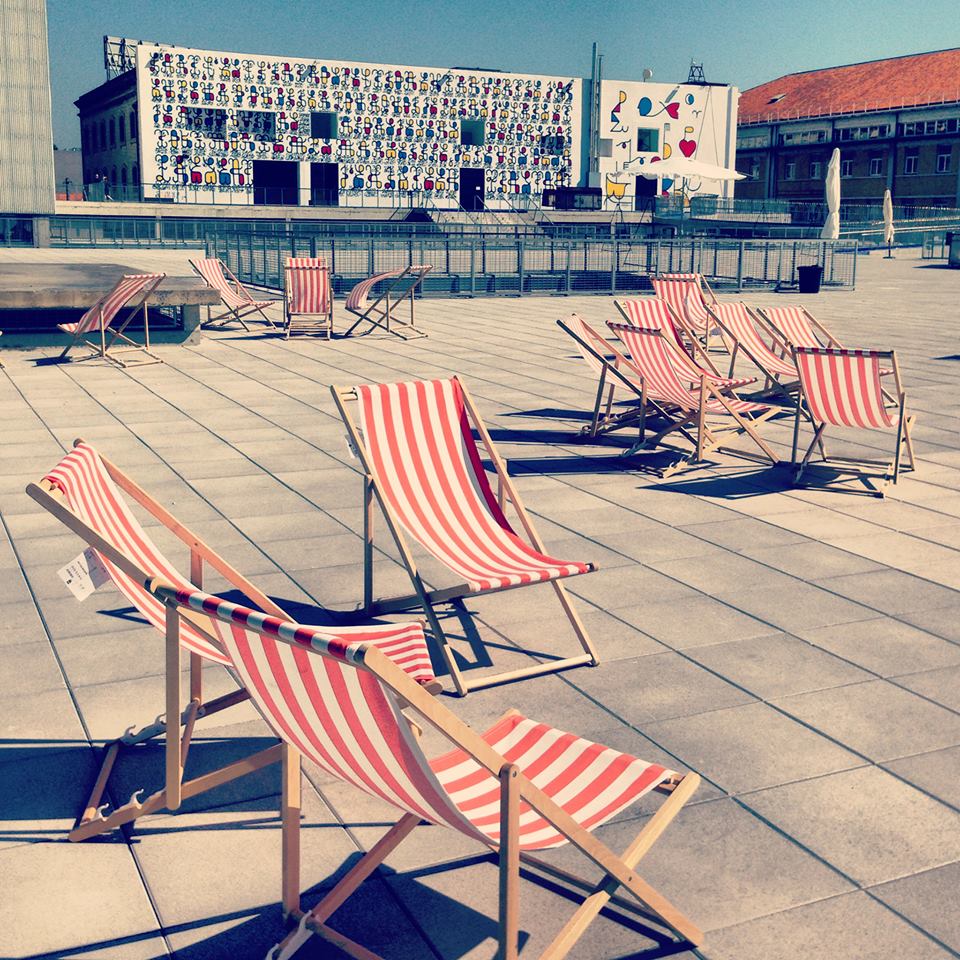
(649, 122)
(212, 115)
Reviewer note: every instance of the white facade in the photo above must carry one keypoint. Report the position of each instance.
(647, 120)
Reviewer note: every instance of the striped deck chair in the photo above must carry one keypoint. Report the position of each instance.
(238, 301)
(842, 388)
(688, 295)
(422, 463)
(395, 287)
(518, 788)
(613, 371)
(90, 331)
(308, 299)
(773, 360)
(86, 493)
(652, 313)
(652, 354)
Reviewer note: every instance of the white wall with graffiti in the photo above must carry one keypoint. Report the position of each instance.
(206, 117)
(643, 121)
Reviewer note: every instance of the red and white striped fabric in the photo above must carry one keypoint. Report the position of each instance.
(653, 358)
(427, 465)
(109, 305)
(684, 294)
(318, 694)
(234, 297)
(589, 335)
(92, 495)
(842, 387)
(653, 313)
(737, 320)
(359, 297)
(308, 286)
(792, 322)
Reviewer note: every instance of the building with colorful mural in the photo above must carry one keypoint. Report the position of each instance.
(183, 125)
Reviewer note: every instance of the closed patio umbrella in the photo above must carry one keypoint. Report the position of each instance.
(888, 231)
(831, 228)
(680, 167)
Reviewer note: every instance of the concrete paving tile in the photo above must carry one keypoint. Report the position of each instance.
(928, 900)
(264, 528)
(729, 573)
(892, 591)
(740, 533)
(661, 686)
(776, 665)
(97, 890)
(941, 686)
(105, 612)
(936, 773)
(810, 560)
(942, 622)
(801, 607)
(27, 668)
(723, 745)
(884, 645)
(629, 585)
(876, 718)
(854, 925)
(42, 792)
(693, 622)
(868, 824)
(35, 722)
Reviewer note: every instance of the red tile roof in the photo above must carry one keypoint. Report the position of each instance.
(919, 79)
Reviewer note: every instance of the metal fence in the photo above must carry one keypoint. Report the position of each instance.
(480, 266)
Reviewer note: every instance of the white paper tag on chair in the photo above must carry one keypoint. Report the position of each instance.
(351, 447)
(84, 574)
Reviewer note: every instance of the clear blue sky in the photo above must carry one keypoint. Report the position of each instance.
(743, 42)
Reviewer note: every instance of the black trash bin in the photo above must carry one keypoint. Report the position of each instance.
(808, 278)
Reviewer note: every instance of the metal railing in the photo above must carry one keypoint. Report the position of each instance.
(484, 265)
(935, 246)
(16, 231)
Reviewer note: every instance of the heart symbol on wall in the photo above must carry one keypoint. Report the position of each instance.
(687, 147)
(673, 110)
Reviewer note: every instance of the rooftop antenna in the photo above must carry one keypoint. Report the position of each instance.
(647, 74)
(696, 73)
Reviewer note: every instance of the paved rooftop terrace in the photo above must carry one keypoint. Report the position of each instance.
(800, 649)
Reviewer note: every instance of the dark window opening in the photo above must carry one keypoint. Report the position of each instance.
(324, 125)
(257, 123)
(472, 133)
(551, 144)
(122, 125)
(648, 140)
(133, 124)
(207, 122)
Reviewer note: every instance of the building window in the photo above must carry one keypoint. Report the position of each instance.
(123, 176)
(919, 128)
(257, 123)
(846, 168)
(472, 133)
(113, 132)
(648, 140)
(102, 142)
(135, 175)
(754, 169)
(943, 159)
(790, 170)
(122, 129)
(876, 166)
(324, 126)
(205, 121)
(910, 161)
(816, 169)
(873, 132)
(133, 124)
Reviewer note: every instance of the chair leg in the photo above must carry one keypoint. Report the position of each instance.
(290, 814)
(509, 862)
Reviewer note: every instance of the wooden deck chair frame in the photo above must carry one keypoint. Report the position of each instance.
(385, 316)
(102, 347)
(232, 314)
(306, 323)
(875, 475)
(829, 340)
(614, 372)
(708, 438)
(92, 821)
(427, 598)
(620, 884)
